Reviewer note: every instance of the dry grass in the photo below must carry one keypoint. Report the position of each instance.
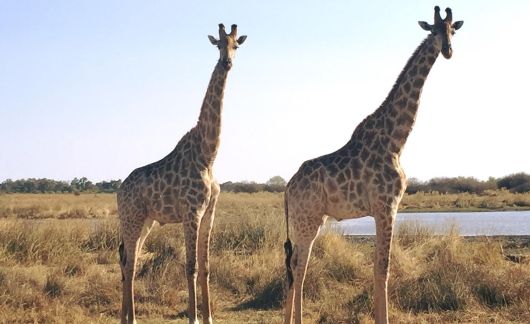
(66, 270)
(61, 206)
(88, 206)
(490, 200)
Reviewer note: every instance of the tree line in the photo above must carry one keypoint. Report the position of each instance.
(44, 185)
(516, 183)
(274, 184)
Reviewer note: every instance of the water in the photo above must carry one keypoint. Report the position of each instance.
(468, 224)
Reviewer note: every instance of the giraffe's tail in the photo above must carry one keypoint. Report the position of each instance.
(288, 254)
(123, 260)
(288, 247)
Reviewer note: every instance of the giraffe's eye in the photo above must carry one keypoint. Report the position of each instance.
(235, 47)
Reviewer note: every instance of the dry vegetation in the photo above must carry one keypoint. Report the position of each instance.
(66, 270)
(489, 200)
(90, 205)
(62, 206)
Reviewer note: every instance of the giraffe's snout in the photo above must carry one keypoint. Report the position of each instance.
(447, 51)
(228, 64)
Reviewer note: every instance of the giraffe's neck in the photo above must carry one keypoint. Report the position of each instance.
(399, 109)
(395, 117)
(208, 127)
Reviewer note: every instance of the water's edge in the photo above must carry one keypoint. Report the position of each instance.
(506, 223)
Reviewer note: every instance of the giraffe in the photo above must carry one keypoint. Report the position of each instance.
(364, 177)
(179, 188)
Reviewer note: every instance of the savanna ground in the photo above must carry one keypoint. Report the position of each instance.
(59, 264)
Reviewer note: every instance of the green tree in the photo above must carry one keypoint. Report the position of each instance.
(275, 184)
(276, 181)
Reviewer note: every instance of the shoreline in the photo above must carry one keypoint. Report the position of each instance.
(526, 237)
(461, 210)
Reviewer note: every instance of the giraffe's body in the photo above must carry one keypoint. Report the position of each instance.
(179, 188)
(362, 178)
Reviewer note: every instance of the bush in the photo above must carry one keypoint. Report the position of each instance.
(104, 238)
(518, 182)
(459, 185)
(54, 286)
(274, 184)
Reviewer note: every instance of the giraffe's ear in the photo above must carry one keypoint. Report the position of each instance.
(213, 40)
(458, 24)
(424, 25)
(241, 39)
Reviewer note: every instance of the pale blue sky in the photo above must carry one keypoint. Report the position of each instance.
(98, 88)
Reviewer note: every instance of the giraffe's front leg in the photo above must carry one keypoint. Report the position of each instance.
(204, 253)
(191, 231)
(384, 223)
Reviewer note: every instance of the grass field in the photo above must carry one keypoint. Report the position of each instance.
(58, 264)
(63, 206)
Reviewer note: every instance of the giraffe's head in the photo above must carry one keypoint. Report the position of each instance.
(227, 44)
(443, 30)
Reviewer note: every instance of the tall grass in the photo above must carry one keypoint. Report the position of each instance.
(489, 200)
(102, 206)
(67, 271)
(61, 206)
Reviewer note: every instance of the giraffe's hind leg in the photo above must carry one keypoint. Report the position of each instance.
(301, 254)
(128, 258)
(303, 243)
(132, 235)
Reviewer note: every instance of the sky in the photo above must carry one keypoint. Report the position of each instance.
(99, 88)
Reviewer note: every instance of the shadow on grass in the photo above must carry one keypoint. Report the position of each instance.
(180, 315)
(271, 297)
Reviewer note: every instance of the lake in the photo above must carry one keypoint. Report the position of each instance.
(467, 223)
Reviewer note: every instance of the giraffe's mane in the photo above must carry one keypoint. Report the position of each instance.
(402, 75)
(392, 92)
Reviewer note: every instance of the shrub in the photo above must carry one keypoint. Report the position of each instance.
(54, 286)
(98, 292)
(490, 295)
(518, 182)
(104, 237)
(412, 233)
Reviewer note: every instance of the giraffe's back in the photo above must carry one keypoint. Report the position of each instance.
(343, 182)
